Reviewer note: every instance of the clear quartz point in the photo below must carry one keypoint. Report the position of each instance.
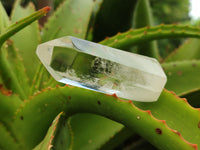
(104, 69)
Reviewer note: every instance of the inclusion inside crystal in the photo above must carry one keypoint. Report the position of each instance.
(93, 66)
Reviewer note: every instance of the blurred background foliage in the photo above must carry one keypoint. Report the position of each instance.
(167, 12)
(170, 11)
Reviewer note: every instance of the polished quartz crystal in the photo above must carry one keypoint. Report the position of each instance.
(104, 69)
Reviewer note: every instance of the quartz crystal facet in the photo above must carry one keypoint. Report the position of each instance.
(104, 69)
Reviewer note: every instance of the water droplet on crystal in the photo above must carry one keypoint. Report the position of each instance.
(104, 69)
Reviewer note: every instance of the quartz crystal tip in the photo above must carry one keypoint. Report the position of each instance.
(104, 69)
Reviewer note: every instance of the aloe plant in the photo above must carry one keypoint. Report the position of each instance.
(38, 113)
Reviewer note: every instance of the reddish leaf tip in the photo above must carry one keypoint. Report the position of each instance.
(149, 112)
(46, 9)
(179, 134)
(114, 95)
(194, 146)
(130, 101)
(5, 91)
(163, 121)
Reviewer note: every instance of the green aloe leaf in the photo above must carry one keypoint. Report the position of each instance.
(143, 10)
(7, 142)
(12, 70)
(27, 39)
(16, 67)
(171, 106)
(37, 80)
(182, 76)
(147, 34)
(63, 137)
(17, 26)
(96, 9)
(119, 139)
(188, 51)
(4, 19)
(70, 134)
(46, 143)
(9, 103)
(73, 100)
(75, 23)
(4, 22)
(85, 135)
(14, 75)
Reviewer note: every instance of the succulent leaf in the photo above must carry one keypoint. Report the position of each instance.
(138, 36)
(4, 19)
(64, 136)
(17, 26)
(9, 103)
(30, 35)
(7, 142)
(183, 76)
(170, 105)
(143, 10)
(37, 80)
(42, 79)
(15, 79)
(85, 136)
(96, 9)
(13, 71)
(71, 100)
(188, 51)
(17, 65)
(47, 142)
(75, 23)
(118, 139)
